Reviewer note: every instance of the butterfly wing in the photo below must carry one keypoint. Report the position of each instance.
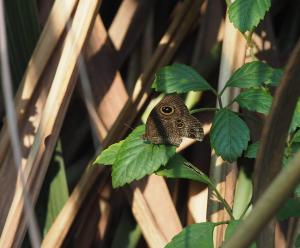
(191, 128)
(170, 120)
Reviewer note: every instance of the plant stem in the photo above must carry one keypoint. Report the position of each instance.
(229, 104)
(220, 198)
(220, 101)
(245, 210)
(250, 43)
(222, 91)
(291, 139)
(228, 3)
(214, 188)
(202, 110)
(218, 95)
(221, 223)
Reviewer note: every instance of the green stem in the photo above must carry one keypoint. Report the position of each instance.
(214, 189)
(245, 211)
(220, 101)
(220, 198)
(221, 223)
(222, 91)
(228, 2)
(229, 104)
(250, 43)
(202, 110)
(218, 97)
(291, 139)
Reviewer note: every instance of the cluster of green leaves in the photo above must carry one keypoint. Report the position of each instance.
(133, 158)
(229, 134)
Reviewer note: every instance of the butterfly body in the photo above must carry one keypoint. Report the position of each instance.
(170, 120)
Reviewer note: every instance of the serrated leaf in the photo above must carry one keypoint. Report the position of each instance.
(257, 100)
(179, 78)
(246, 14)
(196, 235)
(136, 158)
(254, 74)
(177, 167)
(109, 155)
(252, 149)
(291, 208)
(231, 229)
(229, 135)
(296, 118)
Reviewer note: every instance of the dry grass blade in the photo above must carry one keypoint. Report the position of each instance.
(89, 228)
(110, 96)
(165, 216)
(6, 82)
(104, 60)
(143, 215)
(119, 27)
(48, 40)
(51, 120)
(55, 237)
(27, 132)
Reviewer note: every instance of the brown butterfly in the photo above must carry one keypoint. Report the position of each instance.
(170, 120)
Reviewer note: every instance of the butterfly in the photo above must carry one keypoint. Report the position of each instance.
(170, 121)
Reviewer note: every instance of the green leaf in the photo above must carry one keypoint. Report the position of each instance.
(297, 242)
(254, 74)
(108, 156)
(289, 153)
(296, 137)
(231, 228)
(177, 167)
(54, 192)
(257, 100)
(251, 151)
(179, 78)
(136, 158)
(296, 118)
(229, 135)
(23, 31)
(275, 77)
(127, 233)
(297, 191)
(291, 208)
(246, 14)
(196, 235)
